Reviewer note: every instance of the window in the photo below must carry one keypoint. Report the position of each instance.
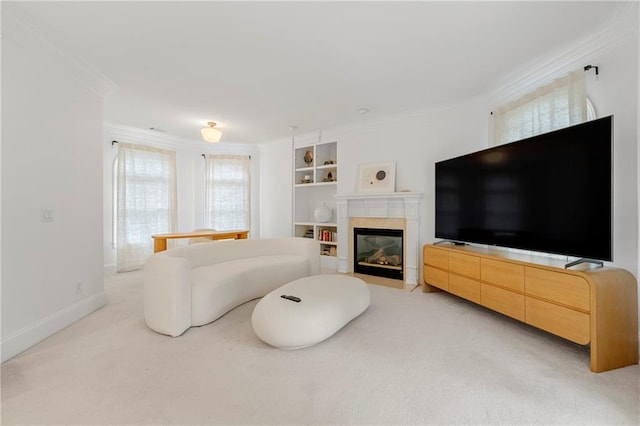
(559, 104)
(227, 192)
(145, 201)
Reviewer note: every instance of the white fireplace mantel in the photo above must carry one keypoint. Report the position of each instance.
(404, 205)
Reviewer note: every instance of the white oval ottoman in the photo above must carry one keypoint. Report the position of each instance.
(309, 310)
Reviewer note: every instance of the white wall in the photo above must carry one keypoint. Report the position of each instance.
(276, 182)
(614, 92)
(414, 141)
(190, 180)
(51, 135)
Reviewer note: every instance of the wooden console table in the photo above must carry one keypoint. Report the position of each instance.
(160, 240)
(584, 305)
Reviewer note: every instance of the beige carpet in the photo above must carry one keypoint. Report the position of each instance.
(411, 358)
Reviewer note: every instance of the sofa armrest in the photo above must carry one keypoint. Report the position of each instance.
(167, 294)
(310, 248)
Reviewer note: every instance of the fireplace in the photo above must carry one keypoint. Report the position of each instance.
(379, 252)
(397, 211)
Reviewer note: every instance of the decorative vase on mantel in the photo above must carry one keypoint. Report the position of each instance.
(322, 214)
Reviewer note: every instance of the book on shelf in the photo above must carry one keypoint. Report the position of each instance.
(328, 236)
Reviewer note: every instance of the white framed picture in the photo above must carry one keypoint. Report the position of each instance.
(377, 177)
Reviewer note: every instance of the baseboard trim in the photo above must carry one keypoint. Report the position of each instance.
(110, 269)
(26, 337)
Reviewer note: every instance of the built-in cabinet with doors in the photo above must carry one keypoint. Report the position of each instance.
(315, 182)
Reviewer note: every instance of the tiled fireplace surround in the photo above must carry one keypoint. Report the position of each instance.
(397, 210)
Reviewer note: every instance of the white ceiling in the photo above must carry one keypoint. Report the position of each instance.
(259, 67)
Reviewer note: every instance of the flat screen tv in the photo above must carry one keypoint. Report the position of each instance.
(549, 193)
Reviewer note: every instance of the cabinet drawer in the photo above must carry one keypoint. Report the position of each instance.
(504, 301)
(466, 265)
(436, 277)
(464, 287)
(566, 289)
(436, 257)
(563, 322)
(504, 274)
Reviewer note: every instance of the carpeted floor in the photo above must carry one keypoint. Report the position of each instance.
(411, 358)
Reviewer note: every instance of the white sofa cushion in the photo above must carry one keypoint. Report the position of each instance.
(217, 289)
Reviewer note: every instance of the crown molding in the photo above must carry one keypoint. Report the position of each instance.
(15, 29)
(330, 134)
(160, 140)
(621, 26)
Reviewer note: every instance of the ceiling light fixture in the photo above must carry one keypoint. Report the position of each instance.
(211, 134)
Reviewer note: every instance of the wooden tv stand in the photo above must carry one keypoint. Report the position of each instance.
(584, 305)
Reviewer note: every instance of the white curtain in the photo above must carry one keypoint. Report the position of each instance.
(559, 104)
(227, 192)
(146, 201)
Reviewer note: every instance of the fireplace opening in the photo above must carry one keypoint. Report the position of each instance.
(378, 252)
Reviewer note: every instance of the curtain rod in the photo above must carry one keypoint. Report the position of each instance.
(586, 68)
(205, 156)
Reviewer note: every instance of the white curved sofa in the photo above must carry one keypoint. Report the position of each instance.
(197, 284)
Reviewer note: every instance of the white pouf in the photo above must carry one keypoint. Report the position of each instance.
(315, 308)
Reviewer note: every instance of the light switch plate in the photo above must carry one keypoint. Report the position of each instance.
(46, 215)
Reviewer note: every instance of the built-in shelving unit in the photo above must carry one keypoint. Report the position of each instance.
(315, 182)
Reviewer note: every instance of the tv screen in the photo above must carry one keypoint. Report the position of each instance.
(549, 193)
